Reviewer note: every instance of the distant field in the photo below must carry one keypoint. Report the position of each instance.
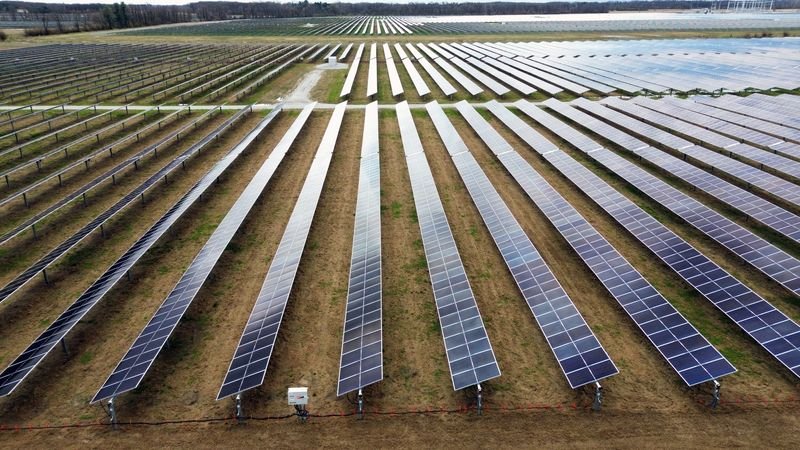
(482, 25)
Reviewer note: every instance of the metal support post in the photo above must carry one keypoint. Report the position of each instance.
(360, 405)
(715, 394)
(598, 397)
(479, 400)
(239, 409)
(112, 413)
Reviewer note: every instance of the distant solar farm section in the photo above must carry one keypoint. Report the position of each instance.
(390, 223)
(494, 24)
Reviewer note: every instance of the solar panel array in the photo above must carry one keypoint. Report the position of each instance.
(83, 162)
(766, 257)
(24, 364)
(361, 362)
(765, 126)
(251, 359)
(772, 184)
(732, 147)
(685, 349)
(444, 85)
(754, 136)
(332, 52)
(346, 52)
(469, 352)
(134, 365)
(578, 351)
(754, 108)
(351, 74)
(768, 326)
(470, 86)
(391, 68)
(495, 86)
(492, 24)
(372, 72)
(40, 265)
(419, 84)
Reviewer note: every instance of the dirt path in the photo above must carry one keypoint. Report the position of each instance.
(496, 429)
(301, 92)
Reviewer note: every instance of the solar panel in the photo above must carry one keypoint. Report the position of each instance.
(498, 88)
(82, 162)
(414, 52)
(24, 364)
(73, 240)
(137, 361)
(685, 349)
(570, 76)
(523, 88)
(756, 137)
(733, 148)
(351, 74)
(707, 122)
(332, 52)
(372, 72)
(345, 52)
(730, 146)
(467, 50)
(460, 78)
(579, 354)
(444, 85)
(479, 50)
(394, 76)
(400, 52)
(469, 352)
(567, 66)
(773, 262)
(416, 79)
(772, 184)
(453, 50)
(729, 103)
(769, 327)
(739, 119)
(512, 67)
(317, 52)
(523, 65)
(442, 51)
(249, 364)
(361, 362)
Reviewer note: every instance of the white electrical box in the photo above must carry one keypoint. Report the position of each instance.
(331, 61)
(298, 396)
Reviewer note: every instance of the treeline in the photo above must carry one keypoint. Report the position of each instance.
(53, 18)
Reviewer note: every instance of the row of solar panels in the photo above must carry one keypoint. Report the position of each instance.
(502, 67)
(502, 24)
(595, 22)
(469, 351)
(365, 25)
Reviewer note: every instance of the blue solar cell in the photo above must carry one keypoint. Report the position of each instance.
(40, 265)
(249, 364)
(134, 365)
(775, 263)
(361, 362)
(469, 351)
(748, 310)
(578, 351)
(666, 328)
